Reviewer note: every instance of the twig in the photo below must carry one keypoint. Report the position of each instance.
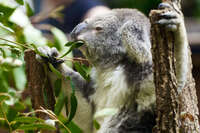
(20, 44)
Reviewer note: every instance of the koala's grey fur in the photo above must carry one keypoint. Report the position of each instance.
(118, 47)
(121, 77)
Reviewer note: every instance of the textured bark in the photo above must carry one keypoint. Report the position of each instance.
(38, 84)
(196, 74)
(177, 112)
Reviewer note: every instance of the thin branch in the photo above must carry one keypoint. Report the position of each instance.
(19, 44)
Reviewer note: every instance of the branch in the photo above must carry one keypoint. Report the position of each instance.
(177, 110)
(38, 85)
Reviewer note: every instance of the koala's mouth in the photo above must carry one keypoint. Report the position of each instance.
(85, 49)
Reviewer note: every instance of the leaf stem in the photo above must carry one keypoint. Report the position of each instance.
(19, 44)
(5, 117)
(51, 114)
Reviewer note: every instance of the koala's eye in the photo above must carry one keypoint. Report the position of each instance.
(98, 28)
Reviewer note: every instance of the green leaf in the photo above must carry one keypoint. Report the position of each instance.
(11, 115)
(20, 81)
(73, 46)
(36, 126)
(37, 51)
(33, 35)
(5, 30)
(82, 70)
(73, 127)
(60, 103)
(96, 124)
(3, 52)
(6, 12)
(19, 106)
(57, 87)
(66, 107)
(59, 37)
(9, 45)
(4, 96)
(72, 86)
(29, 10)
(69, 43)
(55, 71)
(73, 103)
(21, 2)
(24, 119)
(66, 52)
(23, 21)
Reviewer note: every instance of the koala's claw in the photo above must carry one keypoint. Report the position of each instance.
(54, 52)
(49, 56)
(169, 15)
(170, 20)
(164, 5)
(48, 52)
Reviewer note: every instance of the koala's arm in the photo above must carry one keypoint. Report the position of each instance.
(76, 78)
(181, 54)
(174, 21)
(136, 40)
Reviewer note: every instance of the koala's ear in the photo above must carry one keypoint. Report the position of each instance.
(136, 41)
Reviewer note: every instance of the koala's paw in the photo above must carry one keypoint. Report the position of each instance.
(171, 19)
(48, 55)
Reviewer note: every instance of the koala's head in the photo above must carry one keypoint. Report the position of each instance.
(102, 39)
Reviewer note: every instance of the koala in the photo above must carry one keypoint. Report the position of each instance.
(118, 47)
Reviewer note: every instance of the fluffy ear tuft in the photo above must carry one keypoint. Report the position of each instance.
(136, 41)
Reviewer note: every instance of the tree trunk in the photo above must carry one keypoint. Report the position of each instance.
(177, 111)
(38, 86)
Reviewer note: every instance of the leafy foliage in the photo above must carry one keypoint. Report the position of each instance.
(17, 35)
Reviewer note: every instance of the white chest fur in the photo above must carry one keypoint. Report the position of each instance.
(112, 91)
(111, 88)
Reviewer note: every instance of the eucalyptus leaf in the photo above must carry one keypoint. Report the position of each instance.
(96, 124)
(73, 103)
(21, 2)
(60, 38)
(6, 12)
(3, 52)
(11, 114)
(23, 21)
(60, 103)
(73, 46)
(72, 86)
(19, 106)
(29, 10)
(73, 127)
(34, 36)
(20, 81)
(24, 119)
(36, 126)
(69, 43)
(5, 30)
(70, 49)
(57, 87)
(37, 51)
(82, 70)
(55, 71)
(4, 96)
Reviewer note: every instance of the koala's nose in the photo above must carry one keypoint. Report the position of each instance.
(77, 30)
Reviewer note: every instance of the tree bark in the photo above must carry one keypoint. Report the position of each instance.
(177, 111)
(38, 85)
